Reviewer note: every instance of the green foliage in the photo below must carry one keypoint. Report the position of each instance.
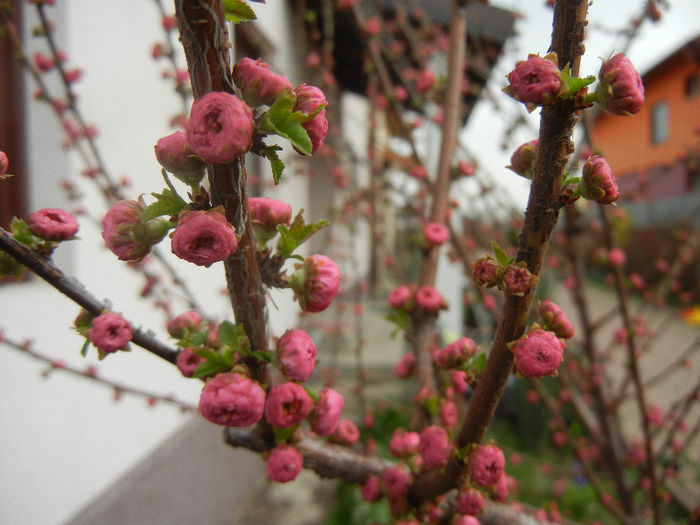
(400, 319)
(167, 203)
(282, 120)
(9, 267)
(575, 84)
(238, 11)
(275, 162)
(23, 234)
(501, 255)
(292, 236)
(351, 509)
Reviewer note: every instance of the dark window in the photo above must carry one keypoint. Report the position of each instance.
(659, 123)
(692, 85)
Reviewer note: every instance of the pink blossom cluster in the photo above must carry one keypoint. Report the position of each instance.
(455, 353)
(315, 283)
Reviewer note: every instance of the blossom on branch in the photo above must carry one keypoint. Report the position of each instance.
(53, 224)
(283, 464)
(110, 332)
(232, 400)
(204, 238)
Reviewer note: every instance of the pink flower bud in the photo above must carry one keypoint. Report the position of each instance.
(536, 80)
(429, 299)
(486, 271)
(455, 353)
(617, 257)
(326, 412)
(404, 444)
(42, 62)
(425, 81)
(448, 413)
(400, 297)
(4, 163)
(187, 362)
(297, 355)
(418, 172)
(257, 83)
(435, 233)
(309, 99)
(53, 224)
(220, 127)
(469, 501)
(620, 90)
(397, 481)
(287, 404)
(284, 463)
(538, 353)
(266, 214)
(517, 280)
(180, 326)
(126, 235)
(598, 182)
(371, 491)
(555, 320)
(467, 520)
(458, 380)
(315, 283)
(232, 400)
(204, 238)
(465, 168)
(373, 26)
(486, 465)
(109, 332)
(522, 161)
(404, 368)
(346, 433)
(174, 154)
(434, 446)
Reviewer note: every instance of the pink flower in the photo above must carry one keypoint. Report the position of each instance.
(232, 400)
(373, 26)
(522, 161)
(175, 155)
(620, 90)
(455, 353)
(429, 299)
(425, 81)
(538, 353)
(266, 214)
(187, 362)
(283, 464)
(435, 233)
(486, 465)
(315, 283)
(326, 412)
(418, 172)
(404, 444)
(400, 93)
(598, 182)
(297, 355)
(126, 235)
(109, 332)
(486, 271)
(4, 163)
(346, 433)
(517, 280)
(397, 481)
(467, 520)
(465, 168)
(204, 238)
(42, 62)
(536, 80)
(404, 368)
(458, 380)
(371, 491)
(180, 326)
(469, 501)
(448, 413)
(169, 23)
(258, 84)
(220, 127)
(617, 257)
(555, 320)
(287, 404)
(53, 224)
(309, 99)
(400, 296)
(434, 446)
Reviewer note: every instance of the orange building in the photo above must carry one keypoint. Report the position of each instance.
(655, 153)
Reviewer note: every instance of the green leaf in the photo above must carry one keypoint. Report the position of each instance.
(400, 319)
(167, 203)
(238, 11)
(275, 162)
(312, 393)
(209, 368)
(283, 434)
(230, 334)
(260, 355)
(292, 236)
(576, 84)
(23, 234)
(215, 362)
(500, 254)
(280, 119)
(479, 363)
(85, 347)
(197, 339)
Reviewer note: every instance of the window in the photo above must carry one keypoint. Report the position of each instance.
(659, 123)
(692, 85)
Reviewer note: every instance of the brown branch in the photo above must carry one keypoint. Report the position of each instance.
(554, 147)
(76, 291)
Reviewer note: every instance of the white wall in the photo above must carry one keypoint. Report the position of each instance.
(62, 440)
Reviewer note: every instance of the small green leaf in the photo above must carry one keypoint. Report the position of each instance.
(312, 393)
(23, 234)
(197, 339)
(398, 318)
(576, 84)
(230, 334)
(85, 347)
(260, 355)
(280, 119)
(479, 363)
(283, 434)
(238, 11)
(209, 368)
(167, 203)
(500, 254)
(275, 162)
(292, 236)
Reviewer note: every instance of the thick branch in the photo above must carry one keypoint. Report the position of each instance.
(77, 292)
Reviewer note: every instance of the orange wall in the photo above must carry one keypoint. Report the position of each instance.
(626, 141)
